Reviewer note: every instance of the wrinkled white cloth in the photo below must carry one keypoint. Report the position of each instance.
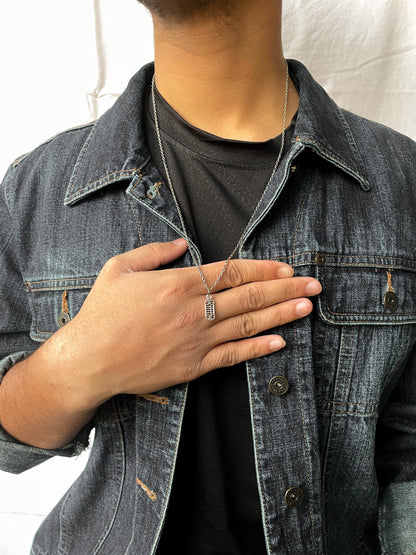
(363, 52)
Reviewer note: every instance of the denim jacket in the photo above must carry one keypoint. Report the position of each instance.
(342, 208)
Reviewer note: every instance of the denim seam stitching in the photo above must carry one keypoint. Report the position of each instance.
(164, 505)
(383, 315)
(323, 370)
(300, 217)
(349, 135)
(333, 158)
(266, 525)
(60, 279)
(119, 173)
(348, 373)
(339, 365)
(82, 153)
(59, 288)
(306, 456)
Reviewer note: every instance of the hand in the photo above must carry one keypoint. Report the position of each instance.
(141, 329)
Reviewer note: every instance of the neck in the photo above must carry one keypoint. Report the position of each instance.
(226, 75)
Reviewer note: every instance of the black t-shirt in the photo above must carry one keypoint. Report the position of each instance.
(214, 507)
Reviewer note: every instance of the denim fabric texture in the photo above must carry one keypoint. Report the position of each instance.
(341, 208)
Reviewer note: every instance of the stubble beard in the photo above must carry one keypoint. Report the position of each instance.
(180, 11)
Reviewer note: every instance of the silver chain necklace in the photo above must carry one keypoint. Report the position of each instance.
(209, 301)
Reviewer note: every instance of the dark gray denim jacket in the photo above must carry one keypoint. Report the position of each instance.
(342, 208)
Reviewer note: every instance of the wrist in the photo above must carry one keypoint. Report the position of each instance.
(66, 372)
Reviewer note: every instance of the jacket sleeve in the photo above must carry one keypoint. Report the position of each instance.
(15, 341)
(396, 465)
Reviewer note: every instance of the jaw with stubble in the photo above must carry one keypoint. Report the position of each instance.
(180, 11)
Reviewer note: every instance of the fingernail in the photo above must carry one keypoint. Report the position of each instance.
(303, 308)
(180, 241)
(284, 272)
(277, 343)
(313, 288)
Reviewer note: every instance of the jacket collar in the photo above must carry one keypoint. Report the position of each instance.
(115, 149)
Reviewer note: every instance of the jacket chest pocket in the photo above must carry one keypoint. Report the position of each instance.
(364, 330)
(55, 302)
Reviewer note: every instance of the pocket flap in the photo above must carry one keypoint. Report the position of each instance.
(55, 302)
(367, 295)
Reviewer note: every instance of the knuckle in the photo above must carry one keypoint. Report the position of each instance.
(234, 274)
(290, 288)
(174, 287)
(254, 351)
(185, 375)
(186, 319)
(154, 248)
(254, 297)
(112, 265)
(229, 357)
(190, 372)
(247, 328)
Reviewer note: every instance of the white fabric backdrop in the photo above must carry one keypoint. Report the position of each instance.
(64, 63)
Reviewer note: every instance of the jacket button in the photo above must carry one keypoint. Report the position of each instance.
(63, 319)
(294, 497)
(391, 300)
(279, 385)
(320, 259)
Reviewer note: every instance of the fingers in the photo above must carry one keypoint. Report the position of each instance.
(249, 324)
(234, 352)
(239, 272)
(254, 296)
(148, 257)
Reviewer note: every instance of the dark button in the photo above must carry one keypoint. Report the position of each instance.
(320, 259)
(279, 385)
(294, 497)
(63, 319)
(391, 300)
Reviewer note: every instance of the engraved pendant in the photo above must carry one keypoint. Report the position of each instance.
(209, 307)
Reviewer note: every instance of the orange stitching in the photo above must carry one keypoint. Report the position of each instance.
(358, 264)
(383, 316)
(120, 172)
(155, 398)
(330, 156)
(151, 494)
(65, 301)
(62, 279)
(154, 190)
(59, 288)
(390, 287)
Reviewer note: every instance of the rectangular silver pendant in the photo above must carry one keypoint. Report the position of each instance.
(209, 308)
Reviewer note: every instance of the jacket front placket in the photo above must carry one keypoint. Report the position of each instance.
(158, 426)
(285, 434)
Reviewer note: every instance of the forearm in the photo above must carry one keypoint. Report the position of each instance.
(37, 407)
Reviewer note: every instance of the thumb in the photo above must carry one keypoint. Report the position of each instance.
(152, 255)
